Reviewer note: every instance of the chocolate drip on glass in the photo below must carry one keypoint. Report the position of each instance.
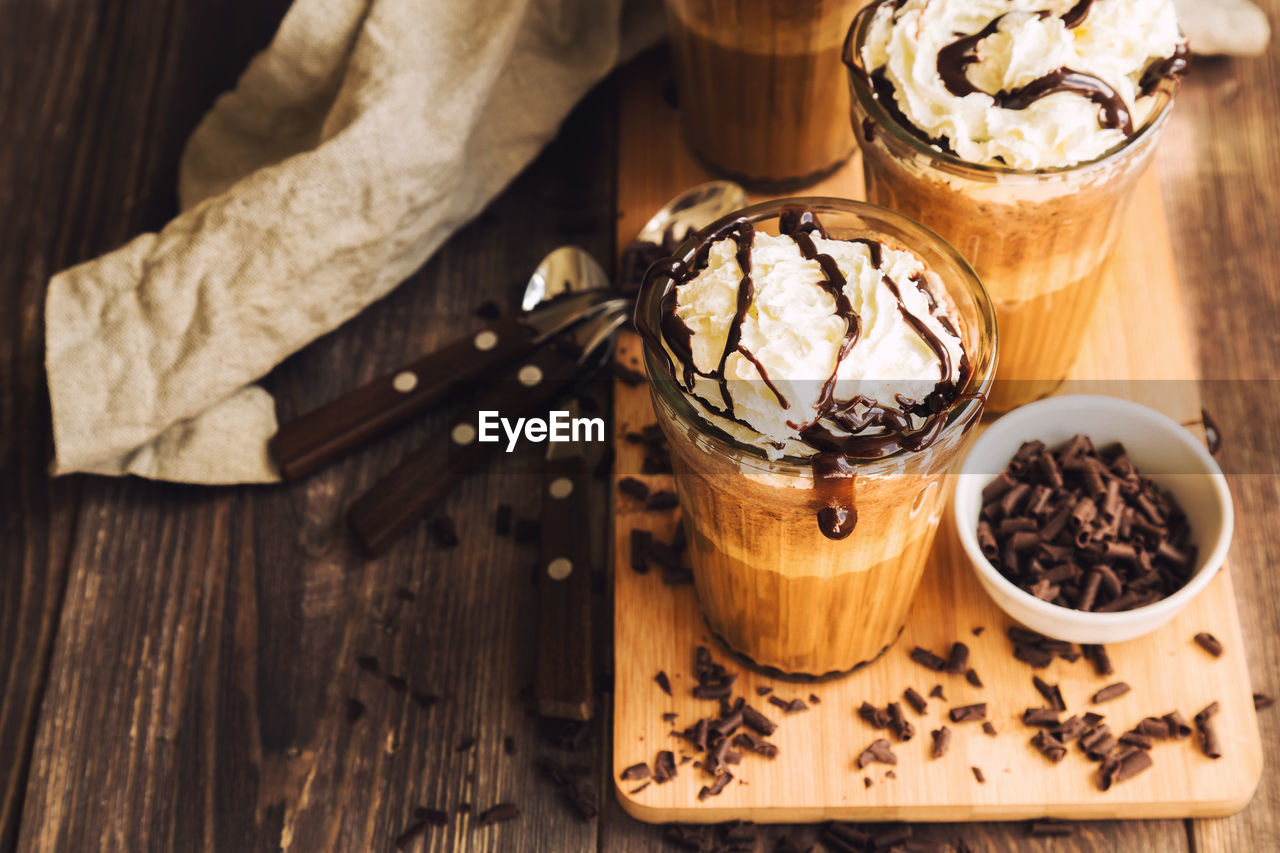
(835, 480)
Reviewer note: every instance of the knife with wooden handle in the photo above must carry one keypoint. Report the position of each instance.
(325, 434)
(562, 673)
(410, 490)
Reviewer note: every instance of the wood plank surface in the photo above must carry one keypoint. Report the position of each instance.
(198, 694)
(95, 108)
(96, 101)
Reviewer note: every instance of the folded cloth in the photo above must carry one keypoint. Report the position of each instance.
(351, 148)
(1235, 27)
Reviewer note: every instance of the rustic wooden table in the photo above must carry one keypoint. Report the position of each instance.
(178, 661)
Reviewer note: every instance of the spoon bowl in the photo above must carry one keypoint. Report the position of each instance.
(691, 210)
(567, 269)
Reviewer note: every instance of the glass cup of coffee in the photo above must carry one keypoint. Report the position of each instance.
(816, 366)
(1039, 236)
(761, 86)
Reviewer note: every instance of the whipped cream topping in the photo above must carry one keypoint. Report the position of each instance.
(824, 344)
(1029, 84)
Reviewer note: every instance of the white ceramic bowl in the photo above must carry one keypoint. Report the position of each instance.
(1159, 447)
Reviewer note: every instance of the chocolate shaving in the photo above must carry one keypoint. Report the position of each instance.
(972, 677)
(663, 682)
(501, 813)
(1136, 738)
(1111, 691)
(431, 817)
(1178, 725)
(639, 788)
(977, 774)
(898, 724)
(1097, 741)
(664, 767)
(915, 700)
(662, 501)
(879, 751)
(928, 659)
(626, 375)
(1049, 746)
(936, 692)
(1044, 717)
(1209, 643)
(1207, 734)
(958, 658)
(756, 744)
(757, 721)
(409, 833)
(1124, 764)
(637, 489)
(989, 729)
(640, 542)
(1098, 656)
(635, 772)
(1050, 692)
(968, 713)
(721, 782)
(877, 717)
(941, 741)
(1069, 729)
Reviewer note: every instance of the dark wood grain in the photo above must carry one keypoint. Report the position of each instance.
(1220, 171)
(179, 662)
(71, 145)
(199, 687)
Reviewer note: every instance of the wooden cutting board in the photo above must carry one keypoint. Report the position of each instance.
(1138, 337)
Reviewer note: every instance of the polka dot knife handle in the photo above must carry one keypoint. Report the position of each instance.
(325, 434)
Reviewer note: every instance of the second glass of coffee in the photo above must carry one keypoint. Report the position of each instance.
(761, 86)
(1017, 131)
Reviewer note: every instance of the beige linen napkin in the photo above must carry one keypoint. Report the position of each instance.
(351, 148)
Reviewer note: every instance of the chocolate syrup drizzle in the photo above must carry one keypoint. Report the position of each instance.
(954, 59)
(833, 472)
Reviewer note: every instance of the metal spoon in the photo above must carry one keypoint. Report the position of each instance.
(567, 286)
(692, 210)
(407, 493)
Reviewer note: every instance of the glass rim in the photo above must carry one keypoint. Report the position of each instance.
(672, 394)
(861, 93)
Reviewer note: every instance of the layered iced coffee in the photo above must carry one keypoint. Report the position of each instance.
(760, 85)
(1016, 129)
(816, 365)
